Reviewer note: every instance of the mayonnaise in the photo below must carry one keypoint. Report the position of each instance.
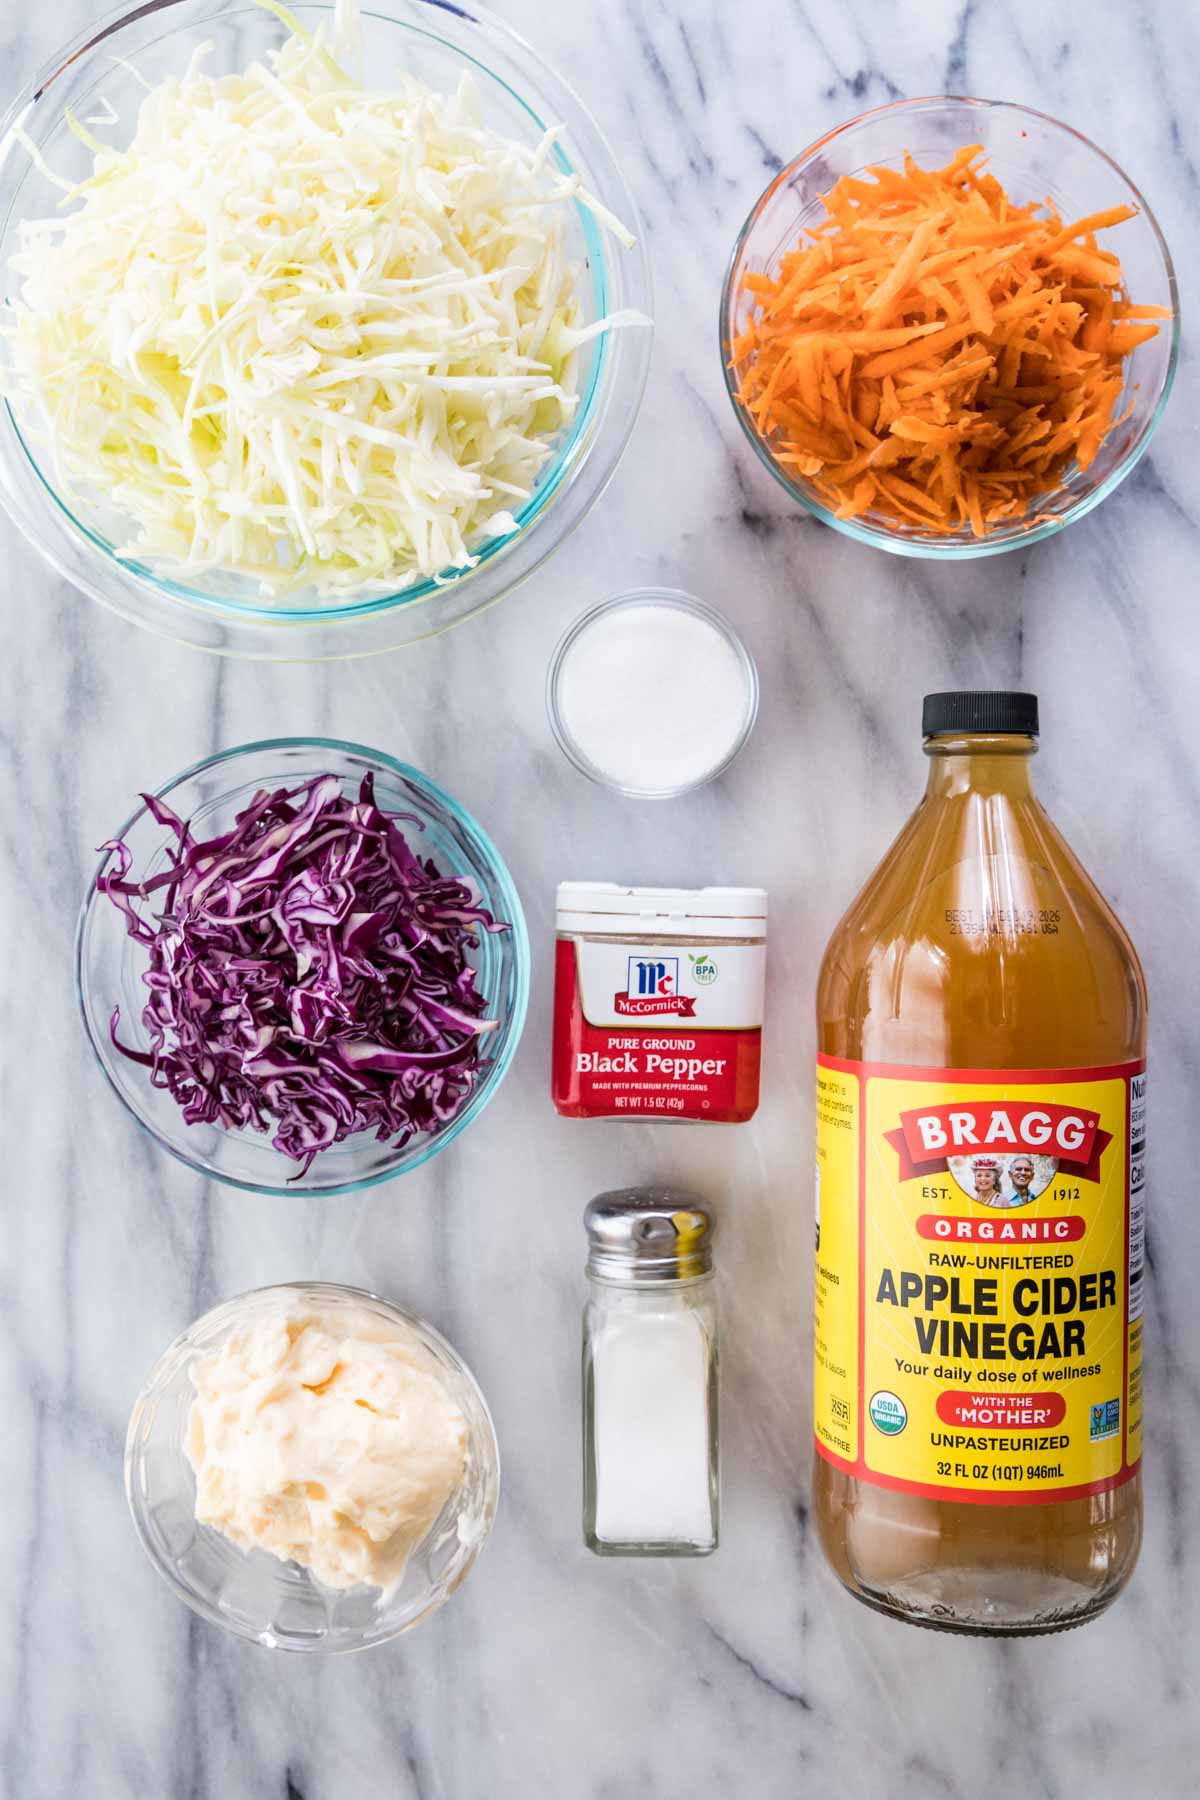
(325, 1438)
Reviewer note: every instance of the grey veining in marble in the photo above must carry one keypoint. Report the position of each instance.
(554, 1676)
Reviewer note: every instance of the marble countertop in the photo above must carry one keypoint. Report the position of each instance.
(555, 1676)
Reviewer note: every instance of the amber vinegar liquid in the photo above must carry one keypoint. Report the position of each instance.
(980, 944)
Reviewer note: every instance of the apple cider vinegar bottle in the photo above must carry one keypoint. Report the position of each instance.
(981, 1032)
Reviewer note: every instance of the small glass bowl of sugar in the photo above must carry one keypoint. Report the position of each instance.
(652, 693)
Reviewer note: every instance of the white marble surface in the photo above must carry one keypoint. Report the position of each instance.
(553, 1674)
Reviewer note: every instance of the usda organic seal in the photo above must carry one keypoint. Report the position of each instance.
(888, 1413)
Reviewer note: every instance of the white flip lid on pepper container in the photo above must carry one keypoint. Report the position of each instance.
(717, 912)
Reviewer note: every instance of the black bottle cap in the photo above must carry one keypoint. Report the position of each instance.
(972, 709)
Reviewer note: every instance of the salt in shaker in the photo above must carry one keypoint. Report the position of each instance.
(650, 1444)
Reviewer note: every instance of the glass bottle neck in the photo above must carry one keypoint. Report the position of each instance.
(980, 763)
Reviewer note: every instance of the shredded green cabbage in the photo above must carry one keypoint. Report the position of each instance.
(303, 332)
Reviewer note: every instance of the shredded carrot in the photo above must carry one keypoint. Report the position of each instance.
(932, 355)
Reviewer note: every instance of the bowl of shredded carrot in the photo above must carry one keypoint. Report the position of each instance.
(950, 327)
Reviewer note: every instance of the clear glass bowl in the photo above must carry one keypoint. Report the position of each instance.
(438, 43)
(1033, 156)
(109, 964)
(639, 598)
(251, 1593)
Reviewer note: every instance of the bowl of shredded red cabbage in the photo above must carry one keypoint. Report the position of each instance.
(302, 966)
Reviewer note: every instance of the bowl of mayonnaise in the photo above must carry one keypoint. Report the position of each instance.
(312, 1468)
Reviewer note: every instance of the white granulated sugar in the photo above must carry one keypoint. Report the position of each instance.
(654, 697)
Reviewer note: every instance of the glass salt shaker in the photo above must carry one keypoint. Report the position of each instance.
(650, 1445)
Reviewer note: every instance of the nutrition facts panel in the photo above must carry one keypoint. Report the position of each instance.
(1137, 1193)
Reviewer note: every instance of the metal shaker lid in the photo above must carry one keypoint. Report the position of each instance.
(648, 1234)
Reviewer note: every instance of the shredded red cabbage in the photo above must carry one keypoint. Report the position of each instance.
(308, 973)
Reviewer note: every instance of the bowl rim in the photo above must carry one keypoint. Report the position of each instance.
(580, 439)
(423, 1330)
(678, 600)
(878, 538)
(514, 1026)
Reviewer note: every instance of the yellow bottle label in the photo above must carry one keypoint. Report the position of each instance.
(979, 1278)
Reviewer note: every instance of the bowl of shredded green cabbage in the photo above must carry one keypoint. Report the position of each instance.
(321, 328)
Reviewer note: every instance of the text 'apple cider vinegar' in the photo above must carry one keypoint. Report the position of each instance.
(981, 1095)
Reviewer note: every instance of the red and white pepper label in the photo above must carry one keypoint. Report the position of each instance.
(663, 1030)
